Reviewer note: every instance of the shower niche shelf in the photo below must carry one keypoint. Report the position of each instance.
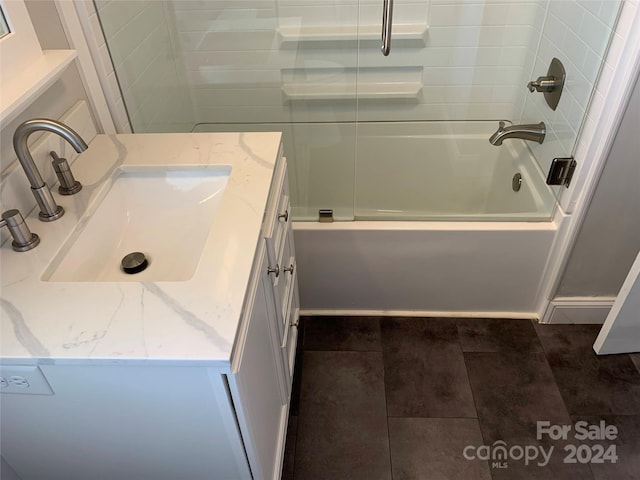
(321, 36)
(373, 91)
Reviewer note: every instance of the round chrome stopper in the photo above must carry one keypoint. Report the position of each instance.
(134, 262)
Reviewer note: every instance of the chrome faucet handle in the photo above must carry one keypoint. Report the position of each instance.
(543, 84)
(68, 184)
(23, 239)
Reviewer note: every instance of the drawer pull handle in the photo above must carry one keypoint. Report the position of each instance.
(289, 269)
(284, 216)
(275, 270)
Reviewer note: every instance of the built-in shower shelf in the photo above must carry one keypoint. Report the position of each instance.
(404, 35)
(364, 91)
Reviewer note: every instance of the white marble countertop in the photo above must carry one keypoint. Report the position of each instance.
(193, 321)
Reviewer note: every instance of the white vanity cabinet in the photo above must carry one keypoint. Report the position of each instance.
(168, 418)
(282, 268)
(263, 360)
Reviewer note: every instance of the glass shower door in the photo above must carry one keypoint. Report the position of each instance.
(455, 70)
(319, 87)
(368, 136)
(249, 65)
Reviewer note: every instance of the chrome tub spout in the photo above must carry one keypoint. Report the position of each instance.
(534, 132)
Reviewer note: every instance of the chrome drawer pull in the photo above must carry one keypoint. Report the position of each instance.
(284, 215)
(275, 270)
(289, 269)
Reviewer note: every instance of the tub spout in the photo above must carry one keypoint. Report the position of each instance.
(534, 132)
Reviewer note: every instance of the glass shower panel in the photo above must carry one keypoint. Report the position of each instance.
(403, 136)
(249, 65)
(578, 34)
(457, 68)
(319, 88)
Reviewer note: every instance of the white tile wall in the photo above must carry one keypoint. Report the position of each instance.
(577, 32)
(104, 66)
(139, 37)
(628, 13)
(233, 47)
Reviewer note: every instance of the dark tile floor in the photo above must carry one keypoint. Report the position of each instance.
(431, 398)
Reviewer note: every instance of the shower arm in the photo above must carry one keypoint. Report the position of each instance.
(387, 21)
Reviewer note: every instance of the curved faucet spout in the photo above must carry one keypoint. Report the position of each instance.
(21, 136)
(49, 210)
(534, 132)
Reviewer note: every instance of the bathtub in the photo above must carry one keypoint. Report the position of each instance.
(438, 229)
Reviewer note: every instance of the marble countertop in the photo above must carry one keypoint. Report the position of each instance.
(193, 321)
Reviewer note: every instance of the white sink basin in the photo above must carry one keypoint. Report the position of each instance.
(165, 213)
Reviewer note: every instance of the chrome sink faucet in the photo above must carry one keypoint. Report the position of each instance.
(49, 210)
(533, 131)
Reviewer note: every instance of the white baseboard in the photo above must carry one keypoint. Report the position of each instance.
(415, 313)
(585, 310)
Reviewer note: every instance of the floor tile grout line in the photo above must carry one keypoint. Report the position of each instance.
(295, 446)
(435, 418)
(473, 396)
(386, 406)
(343, 350)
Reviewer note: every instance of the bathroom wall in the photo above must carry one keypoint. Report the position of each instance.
(60, 96)
(151, 78)
(53, 103)
(609, 238)
(6, 472)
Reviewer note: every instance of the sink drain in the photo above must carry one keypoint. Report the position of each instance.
(134, 262)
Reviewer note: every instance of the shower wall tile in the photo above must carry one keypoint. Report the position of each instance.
(102, 61)
(483, 14)
(139, 37)
(469, 36)
(116, 15)
(231, 47)
(595, 120)
(576, 33)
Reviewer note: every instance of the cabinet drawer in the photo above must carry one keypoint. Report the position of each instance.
(291, 334)
(279, 219)
(282, 283)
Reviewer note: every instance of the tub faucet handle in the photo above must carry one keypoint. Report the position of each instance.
(543, 84)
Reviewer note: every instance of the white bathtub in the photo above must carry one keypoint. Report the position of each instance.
(478, 249)
(445, 171)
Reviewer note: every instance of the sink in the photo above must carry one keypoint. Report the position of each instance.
(165, 213)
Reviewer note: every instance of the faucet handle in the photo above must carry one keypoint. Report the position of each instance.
(543, 84)
(23, 239)
(68, 184)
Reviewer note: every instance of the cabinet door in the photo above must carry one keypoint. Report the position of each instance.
(257, 385)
